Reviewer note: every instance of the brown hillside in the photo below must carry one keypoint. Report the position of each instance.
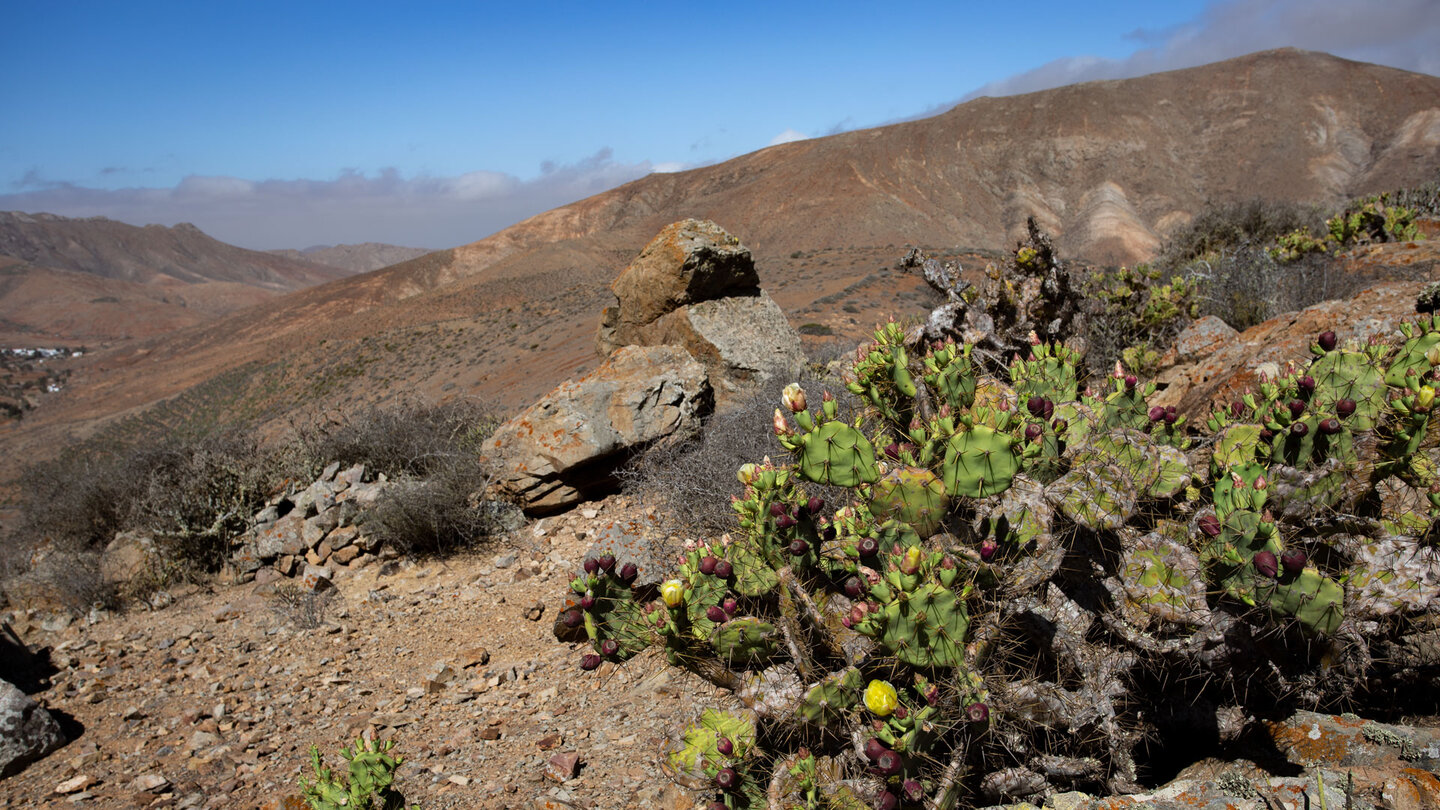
(152, 254)
(1105, 166)
(361, 258)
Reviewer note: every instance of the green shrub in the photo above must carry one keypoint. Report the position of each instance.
(367, 784)
(1135, 315)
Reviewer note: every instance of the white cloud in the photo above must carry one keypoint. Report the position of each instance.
(421, 211)
(1397, 33)
(669, 167)
(788, 136)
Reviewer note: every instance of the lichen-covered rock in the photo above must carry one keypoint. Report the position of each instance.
(27, 731)
(565, 448)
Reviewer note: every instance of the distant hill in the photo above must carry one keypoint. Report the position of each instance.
(361, 258)
(1106, 167)
(153, 254)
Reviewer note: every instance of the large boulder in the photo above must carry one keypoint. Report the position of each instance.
(566, 447)
(27, 731)
(695, 286)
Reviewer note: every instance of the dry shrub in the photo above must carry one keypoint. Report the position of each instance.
(411, 438)
(442, 512)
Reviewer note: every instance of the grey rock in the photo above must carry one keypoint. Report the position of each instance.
(126, 557)
(27, 731)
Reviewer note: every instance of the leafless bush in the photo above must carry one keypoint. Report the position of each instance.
(1233, 226)
(301, 608)
(412, 438)
(439, 513)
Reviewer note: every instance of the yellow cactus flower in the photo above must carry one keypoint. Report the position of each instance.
(793, 397)
(673, 592)
(1426, 397)
(880, 698)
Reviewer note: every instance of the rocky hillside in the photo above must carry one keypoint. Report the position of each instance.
(361, 258)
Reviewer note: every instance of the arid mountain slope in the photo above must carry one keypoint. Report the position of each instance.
(1105, 166)
(361, 258)
(153, 254)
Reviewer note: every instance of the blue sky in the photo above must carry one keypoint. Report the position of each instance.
(286, 124)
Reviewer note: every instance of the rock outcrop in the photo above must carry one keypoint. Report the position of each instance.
(27, 731)
(696, 286)
(565, 448)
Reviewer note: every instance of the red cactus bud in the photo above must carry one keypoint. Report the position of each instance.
(892, 451)
(1049, 409)
(815, 504)
(708, 563)
(1266, 434)
(1130, 381)
(716, 614)
(606, 562)
(1330, 427)
(609, 647)
(716, 806)
(977, 712)
(1344, 408)
(901, 712)
(784, 522)
(1060, 425)
(1327, 341)
(1157, 413)
(1209, 524)
(1294, 560)
(845, 620)
(1296, 408)
(730, 605)
(727, 779)
(874, 748)
(988, 549)
(1266, 564)
(725, 746)
(798, 547)
(828, 534)
(572, 618)
(932, 694)
(947, 563)
(590, 661)
(587, 601)
(777, 509)
(1299, 428)
(856, 614)
(628, 572)
(592, 565)
(1036, 406)
(723, 569)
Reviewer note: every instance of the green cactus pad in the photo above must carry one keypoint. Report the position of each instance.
(979, 462)
(1163, 579)
(1023, 514)
(1314, 599)
(753, 576)
(1097, 497)
(827, 702)
(745, 641)
(1236, 445)
(839, 455)
(696, 756)
(911, 495)
(926, 628)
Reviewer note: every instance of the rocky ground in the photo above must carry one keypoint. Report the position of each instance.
(215, 700)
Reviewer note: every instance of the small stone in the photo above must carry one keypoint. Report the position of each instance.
(150, 782)
(475, 656)
(589, 514)
(227, 611)
(549, 741)
(563, 767)
(490, 733)
(535, 611)
(462, 781)
(74, 784)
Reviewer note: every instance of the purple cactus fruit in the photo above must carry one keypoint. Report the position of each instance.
(1049, 409)
(892, 451)
(901, 712)
(815, 504)
(1299, 428)
(725, 746)
(947, 563)
(716, 614)
(913, 790)
(717, 806)
(1036, 406)
(723, 569)
(798, 547)
(1171, 414)
(590, 661)
(784, 522)
(854, 587)
(727, 779)
(887, 801)
(606, 562)
(1060, 425)
(977, 712)
(829, 534)
(1266, 434)
(587, 601)
(1296, 408)
(1306, 384)
(1266, 564)
(856, 615)
(1344, 408)
(1209, 524)
(988, 549)
(609, 647)
(888, 763)
(777, 509)
(730, 605)
(1157, 413)
(1294, 561)
(572, 618)
(1327, 341)
(592, 565)
(708, 563)
(1131, 381)
(629, 572)
(1033, 432)
(1237, 409)
(1330, 427)
(868, 547)
(874, 748)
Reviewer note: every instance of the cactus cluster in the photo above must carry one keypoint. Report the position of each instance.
(1013, 556)
(366, 785)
